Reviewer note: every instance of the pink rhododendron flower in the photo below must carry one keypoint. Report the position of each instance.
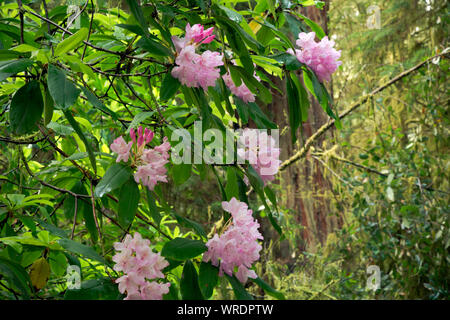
(198, 34)
(261, 151)
(122, 148)
(193, 69)
(238, 246)
(139, 263)
(150, 163)
(242, 92)
(321, 57)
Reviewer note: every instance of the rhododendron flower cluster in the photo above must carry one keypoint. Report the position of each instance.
(139, 264)
(150, 163)
(261, 151)
(242, 91)
(193, 69)
(321, 57)
(237, 247)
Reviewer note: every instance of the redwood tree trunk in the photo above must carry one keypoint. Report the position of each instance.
(307, 191)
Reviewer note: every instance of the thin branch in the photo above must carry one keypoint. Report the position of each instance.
(74, 218)
(121, 54)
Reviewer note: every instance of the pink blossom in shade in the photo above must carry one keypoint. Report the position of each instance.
(139, 264)
(122, 148)
(238, 246)
(320, 56)
(261, 151)
(242, 91)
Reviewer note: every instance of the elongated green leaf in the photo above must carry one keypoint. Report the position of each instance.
(154, 210)
(153, 47)
(302, 95)
(17, 275)
(138, 118)
(63, 91)
(84, 209)
(181, 172)
(136, 10)
(48, 106)
(268, 289)
(238, 289)
(189, 287)
(232, 188)
(188, 223)
(71, 42)
(99, 104)
(11, 67)
(236, 42)
(295, 115)
(183, 248)
(83, 138)
(129, 196)
(81, 249)
(114, 178)
(207, 278)
(94, 289)
(26, 108)
(169, 87)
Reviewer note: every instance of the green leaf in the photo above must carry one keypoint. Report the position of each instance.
(17, 275)
(48, 107)
(238, 289)
(52, 228)
(232, 188)
(169, 87)
(181, 172)
(83, 207)
(188, 223)
(136, 10)
(183, 248)
(293, 106)
(83, 138)
(189, 287)
(258, 185)
(129, 196)
(303, 97)
(314, 26)
(236, 42)
(71, 42)
(63, 91)
(138, 118)
(261, 120)
(132, 28)
(207, 278)
(26, 108)
(114, 178)
(268, 289)
(12, 67)
(153, 47)
(81, 249)
(99, 104)
(154, 210)
(94, 289)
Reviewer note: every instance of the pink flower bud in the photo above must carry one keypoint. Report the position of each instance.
(133, 135)
(148, 135)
